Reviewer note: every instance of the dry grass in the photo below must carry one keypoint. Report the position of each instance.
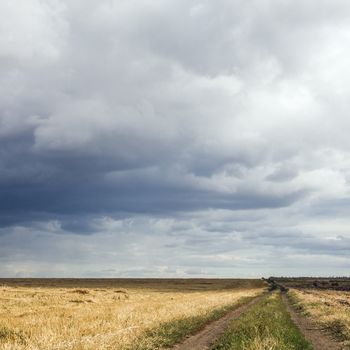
(330, 309)
(110, 316)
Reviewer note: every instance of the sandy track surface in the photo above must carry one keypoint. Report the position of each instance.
(318, 338)
(204, 339)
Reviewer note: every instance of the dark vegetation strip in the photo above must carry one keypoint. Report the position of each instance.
(266, 325)
(170, 333)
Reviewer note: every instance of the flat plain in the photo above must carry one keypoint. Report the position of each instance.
(150, 314)
(329, 309)
(119, 314)
(325, 302)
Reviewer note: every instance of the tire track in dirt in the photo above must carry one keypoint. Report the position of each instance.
(318, 338)
(205, 338)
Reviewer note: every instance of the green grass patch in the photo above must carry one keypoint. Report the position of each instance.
(265, 326)
(170, 333)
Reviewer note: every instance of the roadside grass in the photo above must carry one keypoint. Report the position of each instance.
(329, 309)
(265, 326)
(170, 333)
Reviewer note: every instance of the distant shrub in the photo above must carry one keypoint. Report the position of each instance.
(124, 291)
(81, 291)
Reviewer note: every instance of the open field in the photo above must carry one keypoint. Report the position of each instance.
(266, 326)
(329, 309)
(321, 305)
(112, 314)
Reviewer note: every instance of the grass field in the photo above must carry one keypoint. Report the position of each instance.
(329, 308)
(112, 314)
(266, 326)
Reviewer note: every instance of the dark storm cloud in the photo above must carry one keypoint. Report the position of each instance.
(202, 113)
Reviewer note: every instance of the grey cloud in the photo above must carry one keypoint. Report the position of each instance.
(148, 246)
(173, 110)
(299, 242)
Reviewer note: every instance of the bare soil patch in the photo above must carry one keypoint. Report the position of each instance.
(204, 339)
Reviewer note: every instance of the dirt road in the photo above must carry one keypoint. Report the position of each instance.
(318, 338)
(204, 339)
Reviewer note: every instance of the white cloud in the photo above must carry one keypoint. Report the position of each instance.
(217, 110)
(32, 31)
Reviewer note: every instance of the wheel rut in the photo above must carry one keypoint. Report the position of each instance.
(205, 338)
(319, 339)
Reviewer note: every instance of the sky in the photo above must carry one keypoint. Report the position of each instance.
(174, 138)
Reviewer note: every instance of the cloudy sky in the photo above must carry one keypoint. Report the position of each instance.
(174, 138)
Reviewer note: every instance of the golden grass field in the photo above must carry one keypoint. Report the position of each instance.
(110, 314)
(329, 308)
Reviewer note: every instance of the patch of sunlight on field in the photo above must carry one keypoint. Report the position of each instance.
(329, 308)
(110, 317)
